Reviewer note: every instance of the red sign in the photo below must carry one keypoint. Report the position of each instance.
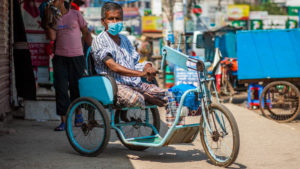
(38, 54)
(197, 10)
(130, 12)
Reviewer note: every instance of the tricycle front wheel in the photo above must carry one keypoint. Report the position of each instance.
(220, 135)
(87, 126)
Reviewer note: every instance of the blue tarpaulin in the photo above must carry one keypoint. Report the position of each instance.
(266, 54)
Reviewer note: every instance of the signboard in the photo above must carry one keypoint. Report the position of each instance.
(128, 12)
(239, 23)
(156, 47)
(151, 24)
(178, 22)
(256, 24)
(220, 19)
(238, 12)
(131, 19)
(178, 17)
(186, 76)
(135, 22)
(94, 3)
(31, 16)
(92, 15)
(38, 54)
(258, 14)
(156, 7)
(197, 10)
(36, 38)
(277, 21)
(291, 24)
(293, 10)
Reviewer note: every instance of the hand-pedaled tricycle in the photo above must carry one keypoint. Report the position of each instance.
(139, 130)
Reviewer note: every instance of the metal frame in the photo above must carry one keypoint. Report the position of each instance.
(204, 96)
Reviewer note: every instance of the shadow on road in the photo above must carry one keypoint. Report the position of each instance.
(237, 166)
(169, 155)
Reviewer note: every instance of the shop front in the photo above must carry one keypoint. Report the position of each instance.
(152, 31)
(5, 55)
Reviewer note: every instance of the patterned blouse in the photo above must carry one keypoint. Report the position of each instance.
(124, 55)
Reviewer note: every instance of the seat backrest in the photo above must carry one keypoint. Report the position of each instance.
(90, 63)
(100, 87)
(175, 57)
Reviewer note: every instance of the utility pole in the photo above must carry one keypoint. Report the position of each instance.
(219, 5)
(179, 24)
(167, 9)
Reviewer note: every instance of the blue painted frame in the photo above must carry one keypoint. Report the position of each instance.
(180, 59)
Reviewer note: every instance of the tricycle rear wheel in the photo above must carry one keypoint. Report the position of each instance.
(91, 135)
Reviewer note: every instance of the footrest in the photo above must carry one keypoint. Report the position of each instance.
(183, 135)
(151, 139)
(147, 106)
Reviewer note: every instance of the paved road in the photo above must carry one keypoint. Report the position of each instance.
(264, 144)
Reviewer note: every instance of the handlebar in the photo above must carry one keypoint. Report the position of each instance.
(182, 60)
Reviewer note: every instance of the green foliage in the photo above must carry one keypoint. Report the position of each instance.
(272, 8)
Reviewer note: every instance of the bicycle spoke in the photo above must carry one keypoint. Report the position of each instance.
(220, 142)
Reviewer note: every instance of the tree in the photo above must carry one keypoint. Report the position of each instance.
(258, 5)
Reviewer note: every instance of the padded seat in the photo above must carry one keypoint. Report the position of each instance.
(100, 87)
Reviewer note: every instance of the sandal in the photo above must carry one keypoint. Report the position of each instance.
(61, 127)
(78, 120)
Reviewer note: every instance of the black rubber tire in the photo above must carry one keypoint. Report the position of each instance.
(274, 116)
(106, 121)
(235, 134)
(156, 124)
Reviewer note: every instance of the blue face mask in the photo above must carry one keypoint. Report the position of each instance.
(115, 28)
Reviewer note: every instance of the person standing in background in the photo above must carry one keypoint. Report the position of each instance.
(68, 62)
(145, 48)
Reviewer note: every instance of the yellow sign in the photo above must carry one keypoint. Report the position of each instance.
(238, 12)
(151, 24)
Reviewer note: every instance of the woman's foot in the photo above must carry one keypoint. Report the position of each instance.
(61, 127)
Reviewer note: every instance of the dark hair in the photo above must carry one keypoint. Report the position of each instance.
(110, 6)
(79, 2)
(128, 29)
